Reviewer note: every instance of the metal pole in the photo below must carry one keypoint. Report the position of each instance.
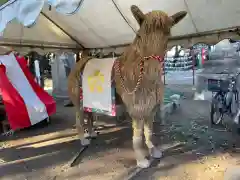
(193, 66)
(164, 72)
(37, 46)
(234, 29)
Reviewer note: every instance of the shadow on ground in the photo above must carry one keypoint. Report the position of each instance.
(185, 137)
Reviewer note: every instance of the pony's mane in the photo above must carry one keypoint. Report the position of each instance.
(156, 20)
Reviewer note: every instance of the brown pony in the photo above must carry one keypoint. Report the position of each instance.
(137, 74)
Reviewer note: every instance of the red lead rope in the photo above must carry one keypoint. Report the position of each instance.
(159, 58)
(118, 70)
(140, 77)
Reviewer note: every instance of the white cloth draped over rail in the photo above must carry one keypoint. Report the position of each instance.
(60, 69)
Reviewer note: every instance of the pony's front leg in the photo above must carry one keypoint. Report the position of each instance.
(148, 133)
(137, 126)
(80, 127)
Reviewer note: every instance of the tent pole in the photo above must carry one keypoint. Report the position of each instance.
(191, 17)
(124, 17)
(69, 35)
(37, 46)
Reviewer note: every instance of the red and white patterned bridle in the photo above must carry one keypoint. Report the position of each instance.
(117, 68)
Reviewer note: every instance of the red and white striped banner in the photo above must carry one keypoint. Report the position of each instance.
(26, 103)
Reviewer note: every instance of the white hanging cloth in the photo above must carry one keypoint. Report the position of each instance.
(27, 11)
(66, 7)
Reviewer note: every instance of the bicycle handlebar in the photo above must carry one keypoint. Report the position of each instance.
(225, 72)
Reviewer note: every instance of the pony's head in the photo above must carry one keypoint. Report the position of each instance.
(154, 30)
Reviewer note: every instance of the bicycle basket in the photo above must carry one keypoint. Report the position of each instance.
(216, 85)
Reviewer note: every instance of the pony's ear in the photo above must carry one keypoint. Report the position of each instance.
(138, 14)
(178, 17)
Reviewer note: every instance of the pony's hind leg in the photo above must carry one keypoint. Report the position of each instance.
(80, 127)
(148, 133)
(90, 129)
(74, 96)
(74, 86)
(137, 126)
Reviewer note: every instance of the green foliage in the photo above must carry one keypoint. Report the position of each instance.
(3, 2)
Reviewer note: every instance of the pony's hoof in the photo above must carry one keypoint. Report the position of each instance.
(144, 163)
(90, 135)
(156, 153)
(9, 133)
(237, 120)
(85, 142)
(86, 135)
(93, 134)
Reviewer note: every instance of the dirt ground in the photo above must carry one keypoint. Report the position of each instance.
(192, 150)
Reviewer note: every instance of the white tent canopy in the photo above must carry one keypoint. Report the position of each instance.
(43, 33)
(99, 24)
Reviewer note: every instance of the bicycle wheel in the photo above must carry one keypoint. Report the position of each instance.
(216, 113)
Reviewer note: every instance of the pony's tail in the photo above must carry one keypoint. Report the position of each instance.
(75, 82)
(74, 89)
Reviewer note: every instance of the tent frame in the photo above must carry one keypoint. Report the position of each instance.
(210, 37)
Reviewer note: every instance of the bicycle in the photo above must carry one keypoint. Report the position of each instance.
(225, 96)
